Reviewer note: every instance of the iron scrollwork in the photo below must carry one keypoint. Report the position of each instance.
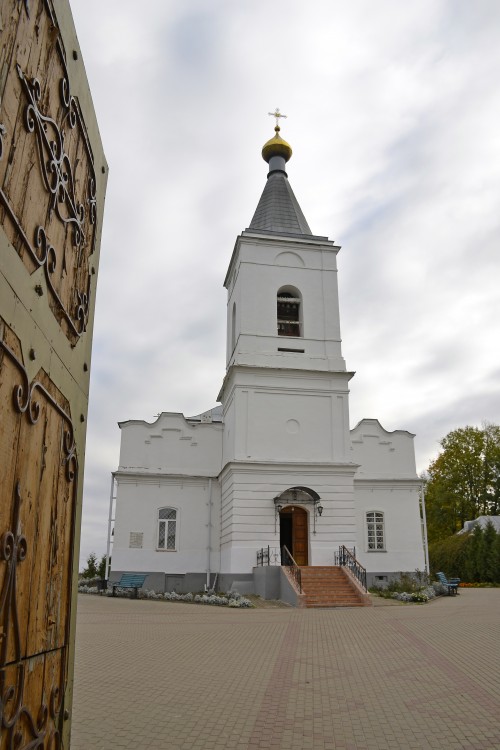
(58, 177)
(25, 402)
(23, 731)
(45, 255)
(55, 165)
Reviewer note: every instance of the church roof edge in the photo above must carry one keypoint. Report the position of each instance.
(376, 421)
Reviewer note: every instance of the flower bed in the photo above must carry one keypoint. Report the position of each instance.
(232, 599)
(411, 589)
(464, 585)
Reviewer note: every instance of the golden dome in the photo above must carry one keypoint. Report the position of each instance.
(276, 147)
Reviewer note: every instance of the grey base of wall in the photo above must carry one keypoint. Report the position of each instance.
(193, 582)
(382, 579)
(268, 582)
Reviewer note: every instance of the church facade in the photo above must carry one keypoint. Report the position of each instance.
(275, 464)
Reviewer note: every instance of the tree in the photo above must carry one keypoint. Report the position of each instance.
(91, 571)
(474, 556)
(464, 480)
(101, 570)
(490, 564)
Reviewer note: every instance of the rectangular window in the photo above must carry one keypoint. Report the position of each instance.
(375, 531)
(167, 528)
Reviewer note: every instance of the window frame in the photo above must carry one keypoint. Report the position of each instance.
(378, 521)
(166, 522)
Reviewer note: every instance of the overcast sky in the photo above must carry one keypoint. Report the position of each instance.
(394, 119)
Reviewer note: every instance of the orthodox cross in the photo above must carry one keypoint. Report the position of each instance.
(277, 114)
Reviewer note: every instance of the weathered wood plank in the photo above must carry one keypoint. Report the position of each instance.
(50, 204)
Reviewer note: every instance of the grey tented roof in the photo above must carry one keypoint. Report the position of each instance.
(278, 209)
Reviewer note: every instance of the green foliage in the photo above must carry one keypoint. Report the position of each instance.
(450, 556)
(101, 568)
(91, 571)
(410, 583)
(473, 557)
(464, 480)
(94, 569)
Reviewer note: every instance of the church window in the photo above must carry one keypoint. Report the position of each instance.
(167, 528)
(288, 312)
(233, 328)
(375, 530)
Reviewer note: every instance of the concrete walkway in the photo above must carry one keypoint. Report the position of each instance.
(184, 676)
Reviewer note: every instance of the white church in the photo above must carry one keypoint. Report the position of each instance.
(218, 499)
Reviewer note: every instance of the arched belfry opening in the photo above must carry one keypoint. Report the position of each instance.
(294, 508)
(289, 312)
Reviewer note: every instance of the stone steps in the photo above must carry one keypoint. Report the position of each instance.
(328, 586)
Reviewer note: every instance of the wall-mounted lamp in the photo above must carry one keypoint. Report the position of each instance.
(318, 511)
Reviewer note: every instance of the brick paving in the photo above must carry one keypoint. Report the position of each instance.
(184, 676)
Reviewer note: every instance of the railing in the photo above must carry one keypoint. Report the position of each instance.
(347, 560)
(288, 561)
(336, 555)
(269, 556)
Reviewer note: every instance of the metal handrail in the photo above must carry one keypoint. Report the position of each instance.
(336, 555)
(268, 556)
(288, 562)
(347, 560)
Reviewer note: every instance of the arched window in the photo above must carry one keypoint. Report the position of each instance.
(233, 328)
(167, 528)
(288, 312)
(375, 530)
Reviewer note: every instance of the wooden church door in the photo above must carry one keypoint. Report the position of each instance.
(300, 536)
(52, 184)
(294, 532)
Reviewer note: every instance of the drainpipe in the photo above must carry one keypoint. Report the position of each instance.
(209, 530)
(110, 514)
(424, 529)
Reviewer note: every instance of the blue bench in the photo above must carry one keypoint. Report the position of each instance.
(451, 584)
(130, 581)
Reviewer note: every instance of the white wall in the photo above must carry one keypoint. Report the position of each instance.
(248, 510)
(286, 415)
(259, 268)
(139, 497)
(399, 502)
(381, 453)
(387, 482)
(173, 463)
(172, 445)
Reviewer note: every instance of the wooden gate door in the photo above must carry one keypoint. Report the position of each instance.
(52, 184)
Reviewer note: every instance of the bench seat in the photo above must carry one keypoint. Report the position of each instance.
(450, 583)
(130, 581)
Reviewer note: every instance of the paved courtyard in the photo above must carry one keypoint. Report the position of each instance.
(183, 676)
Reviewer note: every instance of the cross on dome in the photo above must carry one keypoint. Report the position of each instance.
(277, 114)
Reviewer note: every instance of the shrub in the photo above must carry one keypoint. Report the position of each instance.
(473, 557)
(83, 589)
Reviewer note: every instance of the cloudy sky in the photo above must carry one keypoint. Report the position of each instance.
(394, 118)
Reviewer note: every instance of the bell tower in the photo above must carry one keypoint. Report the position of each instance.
(285, 393)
